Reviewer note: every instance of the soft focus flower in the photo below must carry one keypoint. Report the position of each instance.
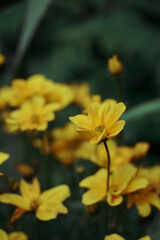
(141, 149)
(25, 169)
(33, 115)
(101, 121)
(65, 143)
(5, 97)
(2, 59)
(3, 158)
(120, 155)
(115, 236)
(115, 66)
(46, 205)
(121, 183)
(12, 236)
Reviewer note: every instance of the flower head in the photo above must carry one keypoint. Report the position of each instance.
(116, 236)
(115, 66)
(101, 121)
(12, 236)
(46, 205)
(33, 115)
(121, 183)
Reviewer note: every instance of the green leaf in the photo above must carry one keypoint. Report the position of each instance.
(142, 110)
(34, 13)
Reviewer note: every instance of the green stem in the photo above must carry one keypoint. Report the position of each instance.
(108, 164)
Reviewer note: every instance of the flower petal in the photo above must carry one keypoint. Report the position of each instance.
(31, 191)
(3, 235)
(16, 200)
(115, 129)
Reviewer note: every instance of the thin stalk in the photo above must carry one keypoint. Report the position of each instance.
(108, 164)
(38, 229)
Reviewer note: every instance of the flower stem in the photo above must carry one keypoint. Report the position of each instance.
(38, 229)
(108, 164)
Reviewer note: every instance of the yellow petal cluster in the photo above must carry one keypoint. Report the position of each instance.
(122, 181)
(115, 66)
(116, 236)
(33, 115)
(101, 122)
(65, 142)
(12, 236)
(120, 155)
(46, 205)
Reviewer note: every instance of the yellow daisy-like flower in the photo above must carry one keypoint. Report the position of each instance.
(116, 236)
(121, 183)
(101, 121)
(33, 115)
(46, 205)
(12, 236)
(3, 158)
(115, 66)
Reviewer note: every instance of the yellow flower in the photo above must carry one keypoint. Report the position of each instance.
(46, 205)
(121, 183)
(141, 149)
(120, 156)
(12, 236)
(143, 199)
(3, 158)
(33, 115)
(115, 236)
(2, 59)
(5, 97)
(115, 66)
(65, 143)
(101, 121)
(61, 94)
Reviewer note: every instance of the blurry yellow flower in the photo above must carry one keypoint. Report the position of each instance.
(115, 236)
(101, 121)
(152, 174)
(80, 92)
(2, 59)
(12, 236)
(121, 183)
(46, 205)
(3, 158)
(120, 156)
(144, 198)
(141, 149)
(25, 170)
(33, 115)
(61, 94)
(65, 143)
(115, 66)
(5, 96)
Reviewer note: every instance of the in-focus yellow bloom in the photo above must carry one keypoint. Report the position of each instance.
(46, 205)
(33, 115)
(12, 236)
(2, 59)
(122, 182)
(115, 236)
(65, 143)
(101, 121)
(115, 66)
(3, 158)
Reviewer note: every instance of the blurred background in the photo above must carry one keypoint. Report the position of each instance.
(70, 41)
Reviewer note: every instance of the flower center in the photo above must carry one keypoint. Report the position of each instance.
(34, 118)
(100, 129)
(34, 204)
